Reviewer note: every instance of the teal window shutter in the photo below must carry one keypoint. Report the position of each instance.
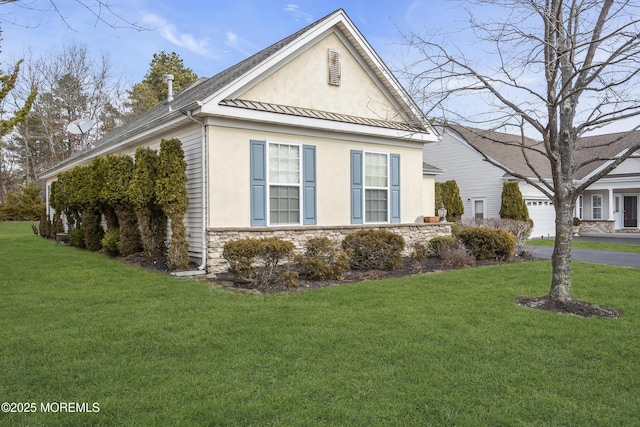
(357, 188)
(258, 183)
(395, 187)
(309, 184)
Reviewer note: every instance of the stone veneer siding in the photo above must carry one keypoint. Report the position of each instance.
(217, 237)
(597, 226)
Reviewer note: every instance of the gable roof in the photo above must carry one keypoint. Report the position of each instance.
(220, 88)
(506, 149)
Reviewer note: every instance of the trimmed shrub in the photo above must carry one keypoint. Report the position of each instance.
(441, 244)
(117, 172)
(129, 231)
(44, 227)
(323, 259)
(457, 257)
(93, 231)
(142, 194)
(419, 252)
(374, 249)
(513, 205)
(488, 243)
(171, 191)
(290, 279)
(448, 194)
(76, 238)
(110, 242)
(521, 230)
(242, 254)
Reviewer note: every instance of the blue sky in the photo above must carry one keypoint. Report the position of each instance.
(209, 35)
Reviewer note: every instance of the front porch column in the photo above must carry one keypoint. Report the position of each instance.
(611, 204)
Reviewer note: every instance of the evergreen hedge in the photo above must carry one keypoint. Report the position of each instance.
(114, 192)
(513, 205)
(448, 194)
(142, 194)
(171, 191)
(117, 190)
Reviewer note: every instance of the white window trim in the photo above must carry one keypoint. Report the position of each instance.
(365, 187)
(601, 207)
(484, 206)
(270, 183)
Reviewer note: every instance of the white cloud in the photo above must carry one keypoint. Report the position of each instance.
(299, 15)
(238, 44)
(170, 32)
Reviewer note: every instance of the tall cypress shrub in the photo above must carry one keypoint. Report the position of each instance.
(448, 194)
(142, 194)
(118, 173)
(171, 191)
(99, 170)
(56, 201)
(513, 205)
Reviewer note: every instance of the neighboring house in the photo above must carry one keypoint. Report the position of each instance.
(311, 136)
(608, 205)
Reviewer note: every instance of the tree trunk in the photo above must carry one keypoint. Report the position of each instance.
(561, 258)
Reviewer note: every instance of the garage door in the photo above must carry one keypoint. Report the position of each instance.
(543, 214)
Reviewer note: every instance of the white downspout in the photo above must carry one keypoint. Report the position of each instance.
(203, 134)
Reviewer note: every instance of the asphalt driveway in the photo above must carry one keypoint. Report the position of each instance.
(624, 259)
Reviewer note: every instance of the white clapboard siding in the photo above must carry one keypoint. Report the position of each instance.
(631, 165)
(484, 181)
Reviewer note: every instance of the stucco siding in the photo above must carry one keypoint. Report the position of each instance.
(229, 165)
(357, 95)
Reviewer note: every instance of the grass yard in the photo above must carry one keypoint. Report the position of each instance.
(437, 349)
(600, 246)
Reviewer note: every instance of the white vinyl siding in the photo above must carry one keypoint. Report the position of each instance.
(629, 166)
(451, 155)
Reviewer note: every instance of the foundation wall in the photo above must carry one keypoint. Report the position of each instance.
(217, 237)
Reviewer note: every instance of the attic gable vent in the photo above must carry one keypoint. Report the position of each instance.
(334, 67)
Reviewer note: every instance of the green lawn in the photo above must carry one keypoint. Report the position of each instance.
(614, 247)
(437, 349)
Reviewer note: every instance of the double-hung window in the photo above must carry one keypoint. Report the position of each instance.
(596, 206)
(284, 183)
(376, 187)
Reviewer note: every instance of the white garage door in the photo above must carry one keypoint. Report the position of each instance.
(543, 214)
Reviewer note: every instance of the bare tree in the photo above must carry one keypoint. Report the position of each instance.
(102, 12)
(72, 85)
(554, 69)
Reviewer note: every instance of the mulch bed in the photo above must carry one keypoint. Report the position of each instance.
(409, 267)
(572, 306)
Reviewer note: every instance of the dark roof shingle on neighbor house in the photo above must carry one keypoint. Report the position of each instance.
(507, 150)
